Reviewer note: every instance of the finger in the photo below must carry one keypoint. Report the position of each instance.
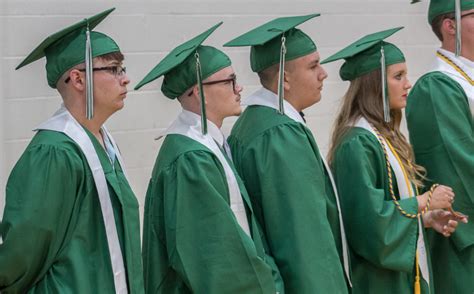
(450, 193)
(446, 188)
(446, 231)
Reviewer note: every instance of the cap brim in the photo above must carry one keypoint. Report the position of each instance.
(269, 30)
(39, 52)
(361, 45)
(176, 57)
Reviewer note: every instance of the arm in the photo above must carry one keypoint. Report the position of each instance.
(442, 133)
(40, 196)
(376, 230)
(285, 179)
(204, 243)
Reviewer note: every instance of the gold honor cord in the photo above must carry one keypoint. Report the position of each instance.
(417, 285)
(456, 67)
(281, 76)
(390, 181)
(201, 95)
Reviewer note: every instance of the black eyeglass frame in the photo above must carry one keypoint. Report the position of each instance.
(233, 79)
(116, 70)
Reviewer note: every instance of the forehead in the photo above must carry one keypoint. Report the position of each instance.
(222, 74)
(397, 67)
(307, 59)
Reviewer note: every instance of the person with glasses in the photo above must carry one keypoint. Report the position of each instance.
(71, 220)
(440, 121)
(200, 232)
(277, 156)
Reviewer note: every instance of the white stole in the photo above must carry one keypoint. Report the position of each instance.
(62, 121)
(264, 97)
(405, 190)
(466, 65)
(189, 124)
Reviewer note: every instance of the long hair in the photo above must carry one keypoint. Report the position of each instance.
(364, 99)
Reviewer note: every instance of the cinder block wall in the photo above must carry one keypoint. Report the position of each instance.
(147, 30)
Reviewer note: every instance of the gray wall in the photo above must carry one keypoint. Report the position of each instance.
(147, 29)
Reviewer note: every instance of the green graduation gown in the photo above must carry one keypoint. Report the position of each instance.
(54, 239)
(192, 243)
(382, 241)
(279, 162)
(441, 130)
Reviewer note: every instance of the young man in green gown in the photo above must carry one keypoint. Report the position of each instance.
(275, 153)
(71, 222)
(440, 122)
(200, 233)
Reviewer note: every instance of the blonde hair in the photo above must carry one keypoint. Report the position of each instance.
(364, 99)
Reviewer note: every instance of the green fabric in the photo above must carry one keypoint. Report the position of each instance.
(66, 48)
(382, 240)
(442, 133)
(56, 240)
(364, 56)
(280, 165)
(179, 66)
(369, 60)
(297, 44)
(266, 41)
(183, 76)
(192, 242)
(438, 7)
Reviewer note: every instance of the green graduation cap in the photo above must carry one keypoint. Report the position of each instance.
(187, 65)
(71, 46)
(366, 55)
(439, 7)
(274, 42)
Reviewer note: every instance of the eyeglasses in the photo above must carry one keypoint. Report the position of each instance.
(232, 79)
(116, 70)
(467, 14)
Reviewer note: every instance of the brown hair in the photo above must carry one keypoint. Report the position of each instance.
(364, 99)
(114, 56)
(437, 23)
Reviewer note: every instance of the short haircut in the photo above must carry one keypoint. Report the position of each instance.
(437, 23)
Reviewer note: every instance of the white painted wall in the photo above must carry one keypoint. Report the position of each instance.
(146, 30)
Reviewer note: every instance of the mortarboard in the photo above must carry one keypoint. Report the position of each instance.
(276, 42)
(71, 46)
(187, 65)
(367, 54)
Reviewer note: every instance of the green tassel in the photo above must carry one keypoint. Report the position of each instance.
(201, 94)
(281, 76)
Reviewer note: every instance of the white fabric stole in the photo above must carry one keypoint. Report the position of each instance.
(189, 124)
(405, 192)
(466, 65)
(264, 97)
(62, 121)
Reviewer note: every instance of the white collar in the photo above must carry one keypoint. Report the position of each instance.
(194, 120)
(267, 98)
(464, 63)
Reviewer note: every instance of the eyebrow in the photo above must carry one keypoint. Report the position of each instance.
(231, 75)
(314, 62)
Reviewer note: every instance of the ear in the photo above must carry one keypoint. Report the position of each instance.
(77, 80)
(448, 26)
(286, 80)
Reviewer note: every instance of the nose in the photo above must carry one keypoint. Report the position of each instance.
(408, 85)
(124, 80)
(239, 89)
(323, 75)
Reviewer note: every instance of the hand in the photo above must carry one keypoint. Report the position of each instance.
(442, 221)
(442, 198)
